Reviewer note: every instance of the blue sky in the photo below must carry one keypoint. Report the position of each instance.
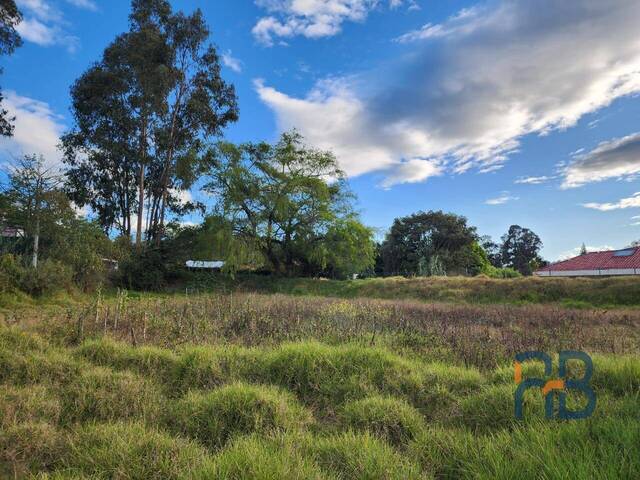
(508, 112)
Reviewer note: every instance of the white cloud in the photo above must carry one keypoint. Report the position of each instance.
(44, 24)
(183, 196)
(41, 9)
(86, 4)
(617, 158)
(533, 180)
(230, 61)
(503, 198)
(629, 202)
(37, 129)
(312, 18)
(465, 98)
(411, 171)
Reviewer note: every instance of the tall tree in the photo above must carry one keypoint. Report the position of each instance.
(10, 17)
(147, 107)
(35, 201)
(427, 238)
(287, 201)
(520, 249)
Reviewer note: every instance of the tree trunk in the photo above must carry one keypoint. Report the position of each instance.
(140, 207)
(143, 154)
(36, 236)
(36, 243)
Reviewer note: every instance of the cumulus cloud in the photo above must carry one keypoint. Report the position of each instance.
(617, 158)
(629, 202)
(533, 180)
(312, 18)
(37, 129)
(503, 198)
(411, 171)
(465, 96)
(44, 24)
(230, 61)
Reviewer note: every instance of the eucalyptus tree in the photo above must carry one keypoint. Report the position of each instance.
(149, 106)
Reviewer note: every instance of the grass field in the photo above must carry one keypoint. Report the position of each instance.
(268, 386)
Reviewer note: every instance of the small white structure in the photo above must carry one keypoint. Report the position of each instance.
(205, 265)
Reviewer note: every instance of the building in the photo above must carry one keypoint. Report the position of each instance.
(596, 264)
(204, 265)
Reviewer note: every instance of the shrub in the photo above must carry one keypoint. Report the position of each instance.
(131, 451)
(50, 276)
(99, 394)
(265, 459)
(11, 273)
(214, 417)
(391, 419)
(144, 271)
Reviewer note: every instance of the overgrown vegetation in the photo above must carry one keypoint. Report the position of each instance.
(393, 401)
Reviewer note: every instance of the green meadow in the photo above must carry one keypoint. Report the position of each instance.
(268, 386)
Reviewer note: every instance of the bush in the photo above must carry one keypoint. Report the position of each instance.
(50, 276)
(145, 270)
(391, 419)
(131, 451)
(214, 417)
(11, 273)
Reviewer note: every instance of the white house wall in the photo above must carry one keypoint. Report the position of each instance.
(589, 273)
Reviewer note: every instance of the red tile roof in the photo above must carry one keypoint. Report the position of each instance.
(598, 261)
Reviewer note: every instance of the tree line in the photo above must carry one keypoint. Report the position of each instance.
(149, 117)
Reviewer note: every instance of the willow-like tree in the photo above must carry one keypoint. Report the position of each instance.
(291, 204)
(143, 115)
(9, 40)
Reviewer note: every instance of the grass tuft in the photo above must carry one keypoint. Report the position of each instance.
(238, 409)
(389, 418)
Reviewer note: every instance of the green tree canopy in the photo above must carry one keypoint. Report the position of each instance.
(10, 17)
(290, 203)
(521, 249)
(142, 116)
(426, 242)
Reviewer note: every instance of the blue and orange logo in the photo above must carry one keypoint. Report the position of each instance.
(556, 387)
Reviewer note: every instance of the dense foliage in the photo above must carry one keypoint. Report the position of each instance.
(290, 203)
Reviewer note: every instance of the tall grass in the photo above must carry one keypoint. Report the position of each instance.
(252, 386)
